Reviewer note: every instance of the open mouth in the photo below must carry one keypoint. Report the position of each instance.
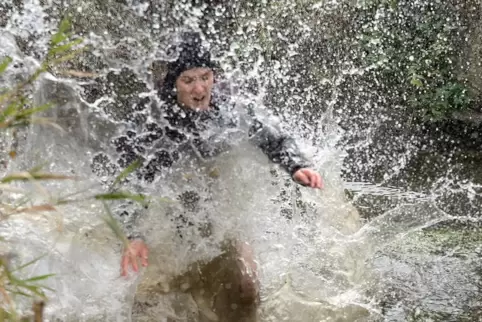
(198, 99)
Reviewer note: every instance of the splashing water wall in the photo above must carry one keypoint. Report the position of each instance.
(318, 260)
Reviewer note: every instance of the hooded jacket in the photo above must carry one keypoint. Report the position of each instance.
(185, 135)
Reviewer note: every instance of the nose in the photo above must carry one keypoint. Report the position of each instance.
(198, 88)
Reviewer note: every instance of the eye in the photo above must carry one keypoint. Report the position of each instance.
(187, 80)
(205, 77)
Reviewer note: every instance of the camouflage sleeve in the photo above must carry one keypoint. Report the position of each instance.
(128, 149)
(125, 211)
(278, 146)
(128, 214)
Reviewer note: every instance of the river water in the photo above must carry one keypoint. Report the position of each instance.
(355, 251)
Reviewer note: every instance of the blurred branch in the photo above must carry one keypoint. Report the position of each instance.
(38, 311)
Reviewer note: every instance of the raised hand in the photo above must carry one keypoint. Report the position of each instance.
(136, 249)
(309, 178)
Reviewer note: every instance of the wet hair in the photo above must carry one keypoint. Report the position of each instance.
(191, 54)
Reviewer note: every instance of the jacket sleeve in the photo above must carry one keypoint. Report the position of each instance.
(126, 212)
(278, 146)
(129, 148)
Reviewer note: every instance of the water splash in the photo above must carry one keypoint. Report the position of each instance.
(317, 261)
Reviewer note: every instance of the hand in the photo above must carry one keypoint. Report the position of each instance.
(136, 248)
(308, 178)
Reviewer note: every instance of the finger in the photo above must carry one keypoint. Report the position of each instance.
(309, 177)
(321, 181)
(317, 181)
(301, 177)
(124, 265)
(133, 260)
(144, 256)
(313, 179)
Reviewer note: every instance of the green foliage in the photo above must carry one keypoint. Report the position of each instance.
(12, 287)
(33, 175)
(18, 110)
(416, 49)
(114, 226)
(443, 100)
(4, 64)
(125, 173)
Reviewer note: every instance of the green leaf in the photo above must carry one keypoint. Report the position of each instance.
(29, 263)
(34, 289)
(393, 4)
(17, 292)
(34, 110)
(66, 47)
(4, 64)
(416, 82)
(60, 35)
(38, 278)
(64, 25)
(19, 116)
(10, 110)
(131, 168)
(68, 56)
(114, 225)
(58, 38)
(121, 195)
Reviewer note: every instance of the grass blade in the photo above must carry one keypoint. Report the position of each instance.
(121, 195)
(60, 35)
(68, 56)
(8, 111)
(46, 121)
(29, 263)
(131, 168)
(66, 47)
(38, 278)
(35, 209)
(24, 176)
(17, 292)
(114, 226)
(36, 290)
(34, 110)
(5, 63)
(64, 25)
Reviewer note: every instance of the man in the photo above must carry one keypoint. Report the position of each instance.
(191, 109)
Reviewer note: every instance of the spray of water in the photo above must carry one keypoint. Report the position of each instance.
(318, 261)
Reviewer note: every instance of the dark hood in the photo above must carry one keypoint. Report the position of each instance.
(190, 54)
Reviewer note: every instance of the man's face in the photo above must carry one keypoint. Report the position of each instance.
(194, 88)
